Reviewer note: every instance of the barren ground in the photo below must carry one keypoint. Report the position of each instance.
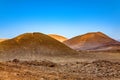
(98, 66)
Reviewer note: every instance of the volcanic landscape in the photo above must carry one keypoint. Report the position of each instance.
(39, 56)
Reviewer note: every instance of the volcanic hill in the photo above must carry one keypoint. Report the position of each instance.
(92, 41)
(58, 37)
(32, 46)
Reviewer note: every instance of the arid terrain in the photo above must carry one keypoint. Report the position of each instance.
(36, 56)
(56, 69)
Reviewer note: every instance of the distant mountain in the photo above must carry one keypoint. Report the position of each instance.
(118, 40)
(58, 37)
(2, 40)
(32, 46)
(91, 41)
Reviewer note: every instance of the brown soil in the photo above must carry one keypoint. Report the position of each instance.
(47, 70)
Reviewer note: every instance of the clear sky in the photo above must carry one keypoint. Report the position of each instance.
(65, 17)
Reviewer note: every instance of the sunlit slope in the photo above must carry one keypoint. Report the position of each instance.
(58, 37)
(2, 40)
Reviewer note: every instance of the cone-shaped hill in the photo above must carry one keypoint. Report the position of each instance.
(90, 41)
(58, 37)
(33, 46)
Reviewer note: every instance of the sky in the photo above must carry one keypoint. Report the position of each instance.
(64, 17)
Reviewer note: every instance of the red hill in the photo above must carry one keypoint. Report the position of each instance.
(90, 41)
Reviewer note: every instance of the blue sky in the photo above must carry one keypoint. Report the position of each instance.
(65, 17)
